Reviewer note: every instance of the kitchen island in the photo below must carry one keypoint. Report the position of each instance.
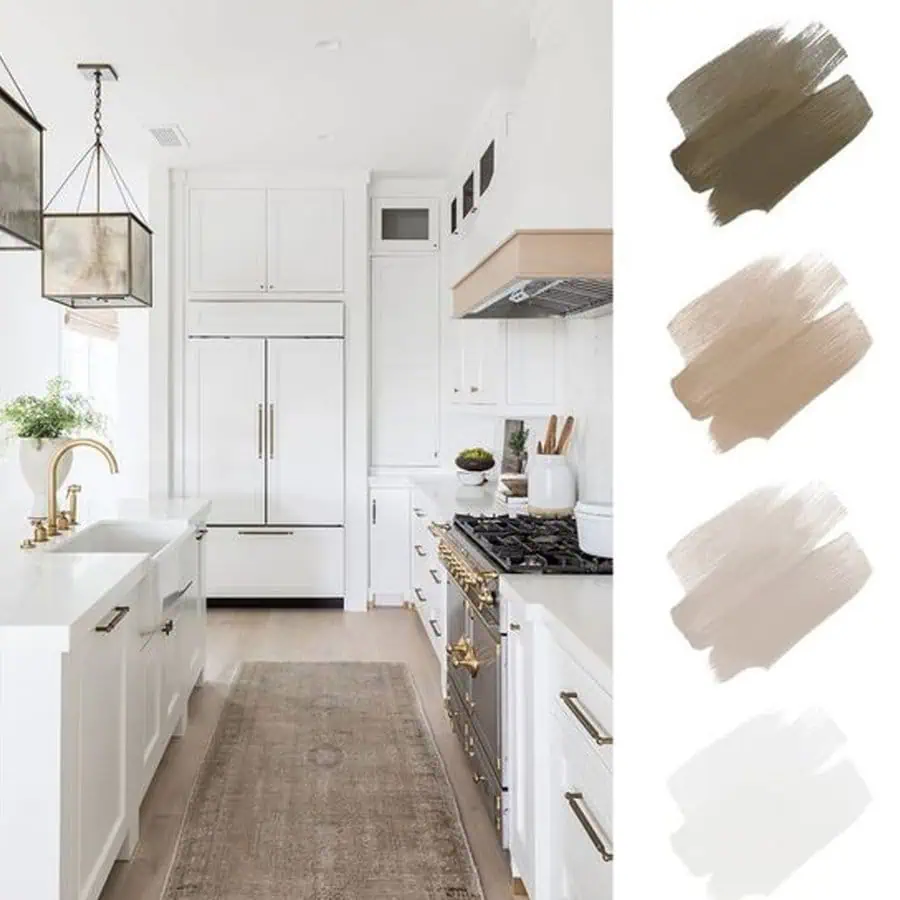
(102, 638)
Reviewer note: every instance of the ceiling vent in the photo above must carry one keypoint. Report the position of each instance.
(169, 136)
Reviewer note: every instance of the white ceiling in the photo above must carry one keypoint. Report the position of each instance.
(244, 81)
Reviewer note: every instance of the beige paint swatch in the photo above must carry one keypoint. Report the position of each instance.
(759, 347)
(756, 126)
(757, 577)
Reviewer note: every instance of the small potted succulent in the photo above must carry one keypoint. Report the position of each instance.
(518, 447)
(473, 465)
(43, 425)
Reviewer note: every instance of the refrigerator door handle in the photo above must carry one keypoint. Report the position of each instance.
(259, 431)
(271, 431)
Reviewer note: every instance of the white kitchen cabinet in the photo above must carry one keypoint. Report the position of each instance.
(227, 240)
(405, 225)
(405, 360)
(305, 431)
(389, 548)
(515, 364)
(305, 240)
(257, 241)
(100, 688)
(226, 417)
(149, 704)
(477, 361)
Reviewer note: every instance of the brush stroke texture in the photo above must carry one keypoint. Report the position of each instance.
(763, 800)
(757, 579)
(758, 347)
(756, 126)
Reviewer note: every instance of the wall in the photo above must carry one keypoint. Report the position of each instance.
(554, 170)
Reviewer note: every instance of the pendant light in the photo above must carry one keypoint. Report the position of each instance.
(21, 171)
(97, 259)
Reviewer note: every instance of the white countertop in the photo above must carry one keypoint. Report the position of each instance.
(43, 596)
(447, 496)
(577, 608)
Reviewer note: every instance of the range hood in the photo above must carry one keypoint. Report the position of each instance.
(537, 274)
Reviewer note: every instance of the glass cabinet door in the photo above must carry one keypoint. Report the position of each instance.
(404, 225)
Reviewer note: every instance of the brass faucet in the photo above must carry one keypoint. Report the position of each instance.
(52, 509)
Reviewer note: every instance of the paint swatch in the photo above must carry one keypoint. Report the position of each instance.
(757, 578)
(760, 346)
(755, 123)
(762, 801)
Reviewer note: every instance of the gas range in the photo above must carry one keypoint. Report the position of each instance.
(531, 545)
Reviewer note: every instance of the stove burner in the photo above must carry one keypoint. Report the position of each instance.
(524, 544)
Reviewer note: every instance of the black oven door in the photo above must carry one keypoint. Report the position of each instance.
(484, 688)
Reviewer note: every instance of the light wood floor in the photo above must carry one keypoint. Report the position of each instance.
(288, 635)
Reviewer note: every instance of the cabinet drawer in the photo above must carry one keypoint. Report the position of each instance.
(581, 805)
(579, 698)
(275, 562)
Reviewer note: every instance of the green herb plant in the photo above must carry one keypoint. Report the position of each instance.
(60, 413)
(518, 441)
(475, 459)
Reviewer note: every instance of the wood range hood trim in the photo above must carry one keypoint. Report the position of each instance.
(535, 253)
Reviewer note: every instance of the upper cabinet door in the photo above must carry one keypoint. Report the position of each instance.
(404, 225)
(306, 240)
(305, 431)
(227, 240)
(405, 360)
(225, 428)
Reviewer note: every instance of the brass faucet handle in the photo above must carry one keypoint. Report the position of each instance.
(28, 544)
(40, 530)
(62, 522)
(72, 492)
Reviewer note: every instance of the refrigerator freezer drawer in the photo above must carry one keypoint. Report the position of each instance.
(263, 561)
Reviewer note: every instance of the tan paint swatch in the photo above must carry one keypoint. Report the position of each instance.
(757, 579)
(755, 125)
(758, 347)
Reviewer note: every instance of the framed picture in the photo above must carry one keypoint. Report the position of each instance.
(513, 453)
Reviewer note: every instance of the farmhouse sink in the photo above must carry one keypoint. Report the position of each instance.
(117, 536)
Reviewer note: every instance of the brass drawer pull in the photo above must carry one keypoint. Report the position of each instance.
(569, 698)
(434, 628)
(421, 597)
(576, 801)
(420, 550)
(435, 576)
(116, 614)
(175, 596)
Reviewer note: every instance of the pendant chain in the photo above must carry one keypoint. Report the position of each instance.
(98, 101)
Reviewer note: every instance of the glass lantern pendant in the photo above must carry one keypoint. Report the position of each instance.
(21, 171)
(96, 259)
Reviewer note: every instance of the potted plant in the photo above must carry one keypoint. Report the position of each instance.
(43, 425)
(518, 443)
(473, 464)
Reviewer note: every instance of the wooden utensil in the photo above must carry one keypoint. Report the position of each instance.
(540, 449)
(566, 435)
(550, 437)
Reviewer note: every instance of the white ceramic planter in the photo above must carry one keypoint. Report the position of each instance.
(551, 486)
(34, 460)
(472, 478)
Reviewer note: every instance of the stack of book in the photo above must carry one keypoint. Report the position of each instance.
(512, 494)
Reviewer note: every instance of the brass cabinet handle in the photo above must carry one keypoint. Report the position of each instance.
(259, 431)
(165, 628)
(420, 550)
(419, 595)
(254, 533)
(435, 576)
(177, 595)
(434, 628)
(116, 614)
(569, 698)
(514, 626)
(576, 802)
(271, 431)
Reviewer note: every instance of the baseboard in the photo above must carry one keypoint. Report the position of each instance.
(518, 888)
(275, 602)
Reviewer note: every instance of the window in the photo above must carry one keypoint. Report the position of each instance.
(90, 359)
(468, 195)
(486, 169)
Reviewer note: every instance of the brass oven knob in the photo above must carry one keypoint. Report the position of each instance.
(468, 661)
